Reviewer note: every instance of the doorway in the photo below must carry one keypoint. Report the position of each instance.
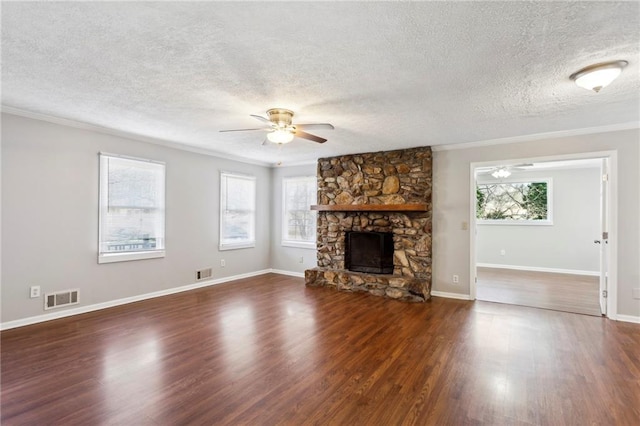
(544, 232)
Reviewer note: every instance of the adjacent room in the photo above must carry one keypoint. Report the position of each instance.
(297, 213)
(539, 234)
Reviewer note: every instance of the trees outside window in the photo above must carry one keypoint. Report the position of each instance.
(514, 202)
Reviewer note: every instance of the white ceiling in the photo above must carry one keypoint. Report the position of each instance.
(386, 75)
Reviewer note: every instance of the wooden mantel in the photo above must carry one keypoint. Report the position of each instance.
(418, 207)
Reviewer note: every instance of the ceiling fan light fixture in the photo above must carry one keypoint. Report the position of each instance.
(280, 136)
(597, 76)
(281, 130)
(501, 173)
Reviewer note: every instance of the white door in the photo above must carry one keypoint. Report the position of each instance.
(603, 238)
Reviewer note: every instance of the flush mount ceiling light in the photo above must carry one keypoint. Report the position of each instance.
(595, 77)
(280, 136)
(501, 173)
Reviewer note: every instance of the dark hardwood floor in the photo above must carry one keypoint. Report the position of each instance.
(268, 350)
(561, 292)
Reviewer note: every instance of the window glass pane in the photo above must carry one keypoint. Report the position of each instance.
(299, 222)
(237, 210)
(519, 201)
(131, 205)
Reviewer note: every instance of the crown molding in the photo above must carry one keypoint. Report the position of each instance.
(540, 136)
(183, 147)
(296, 163)
(120, 133)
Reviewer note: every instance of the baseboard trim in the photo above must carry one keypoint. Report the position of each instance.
(537, 269)
(98, 306)
(289, 273)
(628, 318)
(450, 295)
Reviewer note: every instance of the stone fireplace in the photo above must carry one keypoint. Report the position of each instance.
(382, 192)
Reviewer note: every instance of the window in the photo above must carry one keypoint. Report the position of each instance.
(237, 211)
(131, 209)
(514, 203)
(299, 222)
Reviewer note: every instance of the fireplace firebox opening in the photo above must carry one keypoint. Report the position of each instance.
(370, 252)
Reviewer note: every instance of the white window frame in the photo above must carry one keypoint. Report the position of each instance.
(525, 222)
(284, 240)
(107, 257)
(251, 242)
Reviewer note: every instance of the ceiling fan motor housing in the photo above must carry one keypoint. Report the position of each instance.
(281, 117)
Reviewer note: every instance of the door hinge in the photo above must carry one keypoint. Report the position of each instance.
(605, 293)
(605, 235)
(605, 177)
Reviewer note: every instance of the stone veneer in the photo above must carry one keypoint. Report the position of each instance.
(391, 178)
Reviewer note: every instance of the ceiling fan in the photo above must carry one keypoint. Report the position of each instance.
(501, 172)
(282, 130)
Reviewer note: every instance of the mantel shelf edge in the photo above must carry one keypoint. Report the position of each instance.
(418, 207)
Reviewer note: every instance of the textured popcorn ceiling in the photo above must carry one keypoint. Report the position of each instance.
(387, 75)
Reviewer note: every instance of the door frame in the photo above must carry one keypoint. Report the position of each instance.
(604, 242)
(612, 206)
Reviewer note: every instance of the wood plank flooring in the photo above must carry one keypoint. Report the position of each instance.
(269, 351)
(560, 292)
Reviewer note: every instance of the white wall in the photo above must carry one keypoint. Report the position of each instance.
(288, 258)
(567, 243)
(451, 201)
(50, 217)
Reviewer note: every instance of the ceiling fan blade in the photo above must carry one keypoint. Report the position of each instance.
(522, 166)
(315, 126)
(309, 136)
(242, 130)
(261, 118)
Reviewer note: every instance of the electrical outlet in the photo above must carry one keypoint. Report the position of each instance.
(301, 260)
(222, 263)
(456, 279)
(34, 291)
(503, 252)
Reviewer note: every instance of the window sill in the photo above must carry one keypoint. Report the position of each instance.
(299, 244)
(125, 257)
(236, 246)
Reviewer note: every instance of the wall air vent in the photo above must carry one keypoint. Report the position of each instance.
(203, 274)
(61, 298)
